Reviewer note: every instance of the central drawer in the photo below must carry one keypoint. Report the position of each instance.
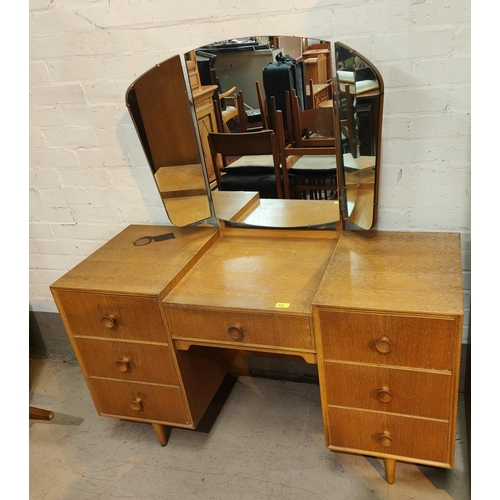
(241, 328)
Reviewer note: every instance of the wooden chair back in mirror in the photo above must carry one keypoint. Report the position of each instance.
(228, 107)
(257, 166)
(312, 127)
(244, 118)
(235, 109)
(262, 106)
(309, 165)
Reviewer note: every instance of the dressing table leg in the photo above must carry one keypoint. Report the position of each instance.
(390, 469)
(161, 433)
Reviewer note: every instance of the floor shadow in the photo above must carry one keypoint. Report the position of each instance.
(378, 465)
(60, 419)
(216, 405)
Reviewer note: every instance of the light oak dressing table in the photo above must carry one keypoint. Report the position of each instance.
(158, 315)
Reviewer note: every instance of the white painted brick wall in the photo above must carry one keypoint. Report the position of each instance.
(89, 178)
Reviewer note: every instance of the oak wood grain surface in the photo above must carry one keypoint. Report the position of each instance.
(130, 317)
(128, 360)
(256, 328)
(120, 266)
(389, 390)
(419, 342)
(413, 439)
(139, 401)
(257, 274)
(400, 271)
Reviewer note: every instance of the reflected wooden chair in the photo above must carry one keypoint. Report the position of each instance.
(312, 127)
(257, 165)
(309, 159)
(243, 119)
(225, 108)
(262, 106)
(236, 109)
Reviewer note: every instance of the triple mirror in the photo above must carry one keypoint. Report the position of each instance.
(263, 131)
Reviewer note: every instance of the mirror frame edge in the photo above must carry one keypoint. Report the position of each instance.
(381, 92)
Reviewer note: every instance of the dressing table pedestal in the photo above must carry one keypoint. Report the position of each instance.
(388, 317)
(110, 305)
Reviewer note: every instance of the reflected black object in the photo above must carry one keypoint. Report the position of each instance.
(284, 75)
(146, 240)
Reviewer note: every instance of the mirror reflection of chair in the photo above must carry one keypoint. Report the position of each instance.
(262, 106)
(249, 119)
(256, 166)
(228, 105)
(310, 159)
(238, 110)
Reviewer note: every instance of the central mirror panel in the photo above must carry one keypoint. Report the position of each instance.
(285, 85)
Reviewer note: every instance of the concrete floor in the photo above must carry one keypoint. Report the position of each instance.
(266, 443)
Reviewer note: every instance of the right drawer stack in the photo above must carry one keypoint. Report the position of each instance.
(390, 383)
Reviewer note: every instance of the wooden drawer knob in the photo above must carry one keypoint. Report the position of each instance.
(108, 321)
(136, 404)
(235, 332)
(123, 364)
(383, 345)
(384, 395)
(385, 439)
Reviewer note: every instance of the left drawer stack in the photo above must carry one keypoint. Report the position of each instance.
(110, 304)
(124, 354)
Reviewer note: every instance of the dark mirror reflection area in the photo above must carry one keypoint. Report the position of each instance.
(198, 118)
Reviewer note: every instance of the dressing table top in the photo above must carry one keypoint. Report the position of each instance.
(397, 271)
(273, 271)
(119, 266)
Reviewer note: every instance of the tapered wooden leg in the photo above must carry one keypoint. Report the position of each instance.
(161, 433)
(39, 414)
(390, 469)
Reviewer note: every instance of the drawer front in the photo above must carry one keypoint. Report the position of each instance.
(386, 339)
(113, 316)
(142, 401)
(321, 96)
(369, 432)
(410, 392)
(241, 328)
(128, 360)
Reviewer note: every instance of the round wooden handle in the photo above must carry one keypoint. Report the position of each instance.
(383, 345)
(385, 439)
(136, 404)
(384, 395)
(235, 332)
(108, 321)
(123, 364)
